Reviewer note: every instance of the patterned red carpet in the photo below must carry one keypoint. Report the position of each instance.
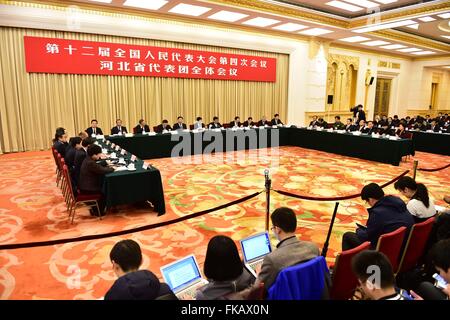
(32, 209)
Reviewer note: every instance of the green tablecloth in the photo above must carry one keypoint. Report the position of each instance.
(128, 187)
(346, 144)
(432, 142)
(364, 147)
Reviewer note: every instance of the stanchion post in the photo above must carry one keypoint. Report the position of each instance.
(416, 164)
(267, 186)
(330, 228)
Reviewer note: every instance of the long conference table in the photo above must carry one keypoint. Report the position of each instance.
(184, 143)
(432, 142)
(132, 186)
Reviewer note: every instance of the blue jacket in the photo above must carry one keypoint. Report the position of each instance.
(138, 285)
(387, 215)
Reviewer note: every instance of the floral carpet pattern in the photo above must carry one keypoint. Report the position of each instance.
(32, 209)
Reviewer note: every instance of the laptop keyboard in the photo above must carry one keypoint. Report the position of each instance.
(190, 293)
(256, 264)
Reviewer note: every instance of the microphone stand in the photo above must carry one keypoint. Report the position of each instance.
(267, 186)
(325, 245)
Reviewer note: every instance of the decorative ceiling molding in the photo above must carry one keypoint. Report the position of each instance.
(412, 39)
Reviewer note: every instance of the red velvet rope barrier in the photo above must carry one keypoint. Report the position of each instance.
(285, 193)
(435, 169)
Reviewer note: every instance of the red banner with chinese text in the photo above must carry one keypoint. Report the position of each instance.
(53, 55)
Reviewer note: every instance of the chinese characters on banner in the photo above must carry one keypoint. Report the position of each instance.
(52, 55)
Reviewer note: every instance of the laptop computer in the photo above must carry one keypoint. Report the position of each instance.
(183, 277)
(254, 249)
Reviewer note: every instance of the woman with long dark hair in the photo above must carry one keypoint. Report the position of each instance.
(419, 205)
(224, 270)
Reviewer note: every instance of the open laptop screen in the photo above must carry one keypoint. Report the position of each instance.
(256, 246)
(181, 272)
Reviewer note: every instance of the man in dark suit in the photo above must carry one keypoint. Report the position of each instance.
(142, 127)
(396, 121)
(360, 115)
(322, 123)
(370, 128)
(249, 122)
(92, 174)
(179, 125)
(215, 124)
(290, 250)
(236, 123)
(349, 126)
(387, 213)
(434, 126)
(163, 126)
(314, 122)
(74, 145)
(119, 129)
(361, 126)
(276, 120)
(263, 122)
(93, 129)
(80, 155)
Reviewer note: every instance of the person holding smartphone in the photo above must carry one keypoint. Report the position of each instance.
(440, 290)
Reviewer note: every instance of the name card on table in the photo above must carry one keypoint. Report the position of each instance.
(144, 166)
(100, 137)
(113, 145)
(133, 158)
(117, 148)
(123, 152)
(108, 142)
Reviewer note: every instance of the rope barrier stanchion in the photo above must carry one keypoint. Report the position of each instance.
(267, 186)
(128, 231)
(330, 229)
(416, 164)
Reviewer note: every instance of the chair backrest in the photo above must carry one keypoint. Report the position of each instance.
(134, 130)
(226, 125)
(155, 128)
(191, 127)
(415, 245)
(391, 244)
(344, 281)
(66, 175)
(304, 281)
(55, 156)
(256, 293)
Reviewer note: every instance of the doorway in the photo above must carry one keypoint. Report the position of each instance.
(382, 95)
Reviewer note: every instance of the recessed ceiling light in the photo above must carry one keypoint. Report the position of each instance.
(393, 46)
(375, 43)
(152, 5)
(228, 16)
(409, 50)
(315, 32)
(419, 53)
(385, 26)
(363, 3)
(413, 26)
(355, 39)
(189, 10)
(446, 37)
(344, 6)
(290, 27)
(386, 1)
(260, 22)
(448, 67)
(444, 15)
(426, 19)
(103, 1)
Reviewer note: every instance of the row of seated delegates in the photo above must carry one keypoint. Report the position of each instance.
(386, 214)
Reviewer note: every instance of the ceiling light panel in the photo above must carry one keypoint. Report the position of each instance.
(375, 43)
(355, 39)
(260, 22)
(364, 3)
(228, 16)
(290, 27)
(385, 26)
(189, 10)
(344, 6)
(409, 50)
(420, 53)
(315, 32)
(151, 5)
(393, 46)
